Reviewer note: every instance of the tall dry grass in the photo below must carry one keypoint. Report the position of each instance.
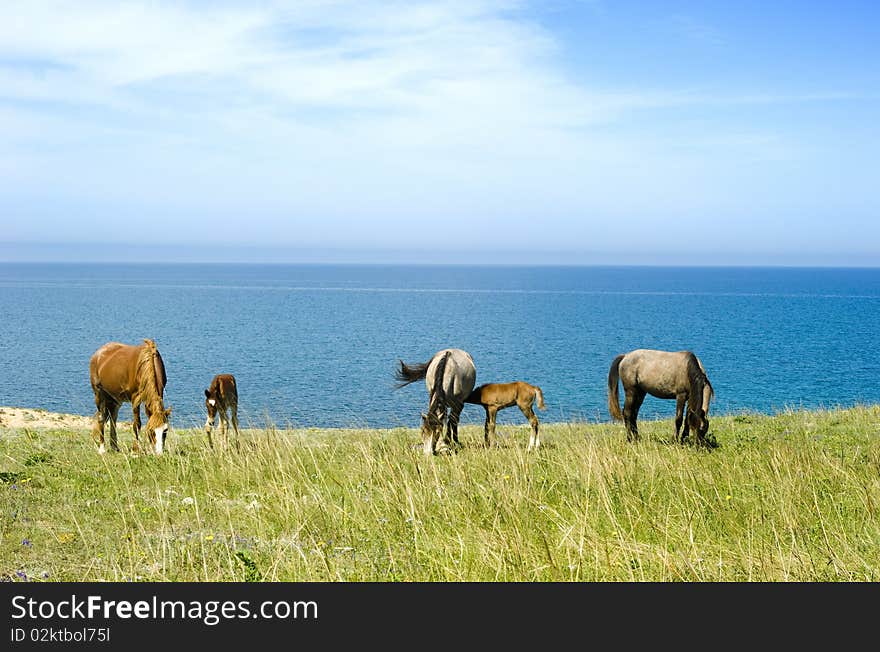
(786, 497)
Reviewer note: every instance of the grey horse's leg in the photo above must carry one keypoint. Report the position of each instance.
(452, 424)
(631, 405)
(679, 416)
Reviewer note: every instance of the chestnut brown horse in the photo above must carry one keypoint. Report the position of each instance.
(664, 374)
(122, 373)
(449, 376)
(497, 396)
(222, 397)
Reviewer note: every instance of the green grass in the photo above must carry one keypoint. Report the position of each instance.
(788, 497)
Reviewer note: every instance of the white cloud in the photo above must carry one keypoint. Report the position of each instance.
(306, 116)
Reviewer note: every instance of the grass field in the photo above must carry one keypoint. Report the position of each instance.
(788, 497)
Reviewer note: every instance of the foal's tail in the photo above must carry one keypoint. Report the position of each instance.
(540, 396)
(613, 395)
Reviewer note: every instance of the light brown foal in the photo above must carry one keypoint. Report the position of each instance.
(222, 395)
(497, 396)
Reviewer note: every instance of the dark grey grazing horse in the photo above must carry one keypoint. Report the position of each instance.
(664, 374)
(449, 375)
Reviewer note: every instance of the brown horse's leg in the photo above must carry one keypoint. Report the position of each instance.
(679, 416)
(98, 428)
(529, 414)
(136, 426)
(114, 413)
(491, 413)
(631, 405)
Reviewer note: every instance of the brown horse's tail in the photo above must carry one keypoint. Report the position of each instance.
(540, 396)
(613, 395)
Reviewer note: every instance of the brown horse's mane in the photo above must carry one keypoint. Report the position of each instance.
(150, 375)
(698, 381)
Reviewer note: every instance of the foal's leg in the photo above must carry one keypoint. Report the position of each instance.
(679, 416)
(234, 410)
(491, 413)
(486, 427)
(224, 428)
(529, 414)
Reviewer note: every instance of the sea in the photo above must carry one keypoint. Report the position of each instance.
(317, 345)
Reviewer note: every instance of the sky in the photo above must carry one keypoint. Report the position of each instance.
(551, 132)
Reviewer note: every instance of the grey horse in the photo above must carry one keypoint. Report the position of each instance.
(449, 375)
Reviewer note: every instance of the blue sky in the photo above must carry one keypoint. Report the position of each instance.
(481, 131)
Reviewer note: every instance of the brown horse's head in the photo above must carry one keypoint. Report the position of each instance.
(158, 427)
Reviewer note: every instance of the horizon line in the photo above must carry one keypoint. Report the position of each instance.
(258, 254)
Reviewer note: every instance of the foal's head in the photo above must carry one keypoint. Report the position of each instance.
(212, 404)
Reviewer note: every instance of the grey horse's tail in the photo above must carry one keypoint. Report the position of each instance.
(407, 374)
(438, 394)
(613, 395)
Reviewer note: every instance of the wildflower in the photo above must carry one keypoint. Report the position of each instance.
(26, 542)
(209, 537)
(65, 537)
(727, 497)
(188, 501)
(22, 575)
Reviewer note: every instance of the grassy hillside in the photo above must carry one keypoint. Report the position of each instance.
(788, 497)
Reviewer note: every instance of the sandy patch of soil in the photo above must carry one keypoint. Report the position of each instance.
(19, 418)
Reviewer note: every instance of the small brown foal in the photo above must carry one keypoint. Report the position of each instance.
(497, 396)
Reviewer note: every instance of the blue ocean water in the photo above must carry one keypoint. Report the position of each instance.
(316, 345)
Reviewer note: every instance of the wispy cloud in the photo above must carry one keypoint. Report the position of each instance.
(305, 114)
